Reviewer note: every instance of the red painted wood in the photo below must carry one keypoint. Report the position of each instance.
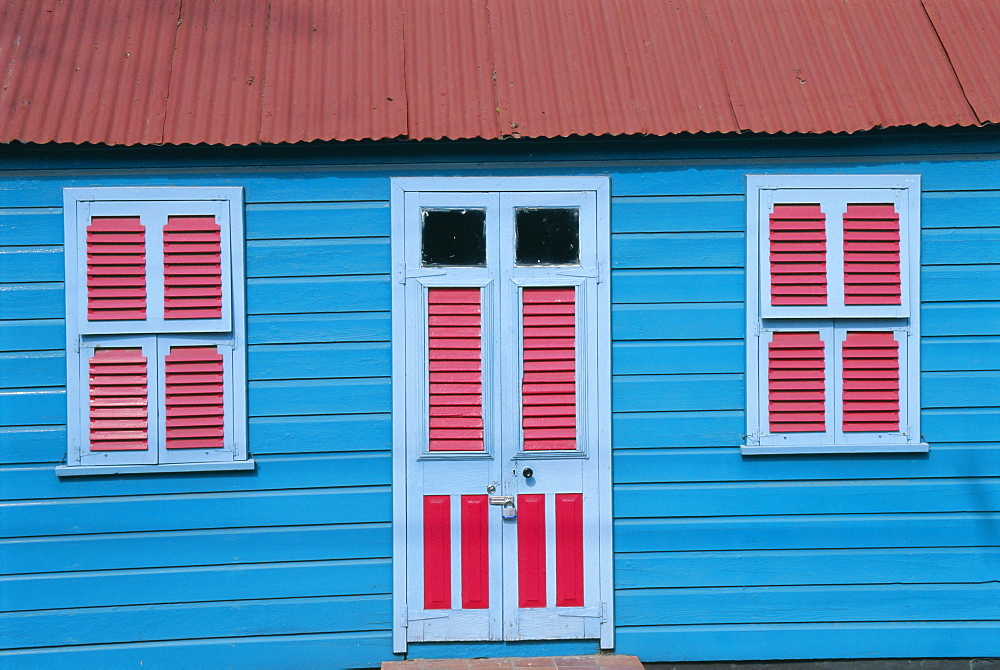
(454, 318)
(119, 412)
(475, 552)
(437, 552)
(798, 255)
(192, 268)
(548, 384)
(195, 411)
(871, 382)
(116, 269)
(871, 255)
(531, 550)
(569, 550)
(796, 383)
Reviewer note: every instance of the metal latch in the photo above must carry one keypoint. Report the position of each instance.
(506, 503)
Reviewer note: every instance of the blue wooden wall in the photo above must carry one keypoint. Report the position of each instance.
(717, 556)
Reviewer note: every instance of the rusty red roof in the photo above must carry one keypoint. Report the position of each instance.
(269, 71)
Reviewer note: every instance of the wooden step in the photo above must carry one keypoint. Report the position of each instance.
(611, 661)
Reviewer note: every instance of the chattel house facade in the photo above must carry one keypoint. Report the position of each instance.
(394, 331)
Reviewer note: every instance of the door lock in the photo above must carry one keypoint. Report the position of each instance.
(506, 503)
(501, 500)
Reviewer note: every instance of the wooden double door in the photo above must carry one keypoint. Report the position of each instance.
(503, 524)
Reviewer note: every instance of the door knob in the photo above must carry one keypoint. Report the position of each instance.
(527, 472)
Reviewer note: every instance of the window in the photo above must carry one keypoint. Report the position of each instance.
(833, 314)
(156, 371)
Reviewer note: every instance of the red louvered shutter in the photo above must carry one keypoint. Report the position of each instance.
(192, 268)
(116, 269)
(798, 255)
(455, 355)
(194, 398)
(796, 383)
(548, 388)
(871, 382)
(871, 255)
(119, 407)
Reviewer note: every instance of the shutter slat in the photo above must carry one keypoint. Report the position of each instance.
(872, 247)
(548, 385)
(116, 269)
(119, 419)
(798, 255)
(455, 403)
(871, 382)
(195, 406)
(796, 383)
(192, 268)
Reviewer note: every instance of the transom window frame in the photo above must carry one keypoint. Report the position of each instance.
(763, 320)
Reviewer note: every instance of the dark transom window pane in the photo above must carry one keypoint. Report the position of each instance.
(454, 237)
(547, 236)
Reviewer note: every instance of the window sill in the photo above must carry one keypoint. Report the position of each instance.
(761, 450)
(94, 470)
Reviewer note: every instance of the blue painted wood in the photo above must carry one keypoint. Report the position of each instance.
(220, 547)
(293, 328)
(948, 283)
(35, 368)
(32, 406)
(351, 650)
(297, 434)
(317, 257)
(678, 429)
(205, 510)
(32, 444)
(963, 529)
(960, 389)
(678, 250)
(293, 220)
(806, 498)
(319, 330)
(37, 335)
(304, 471)
(926, 639)
(688, 356)
(656, 393)
(678, 214)
(961, 246)
(957, 319)
(31, 264)
(306, 295)
(959, 209)
(282, 616)
(31, 227)
(320, 396)
(635, 573)
(807, 604)
(316, 361)
(677, 285)
(720, 464)
(959, 353)
(32, 301)
(109, 588)
(961, 425)
(677, 322)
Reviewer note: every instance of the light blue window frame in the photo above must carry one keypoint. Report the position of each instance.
(833, 193)
(155, 335)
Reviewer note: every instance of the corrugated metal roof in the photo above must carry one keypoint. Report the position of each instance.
(970, 32)
(249, 71)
